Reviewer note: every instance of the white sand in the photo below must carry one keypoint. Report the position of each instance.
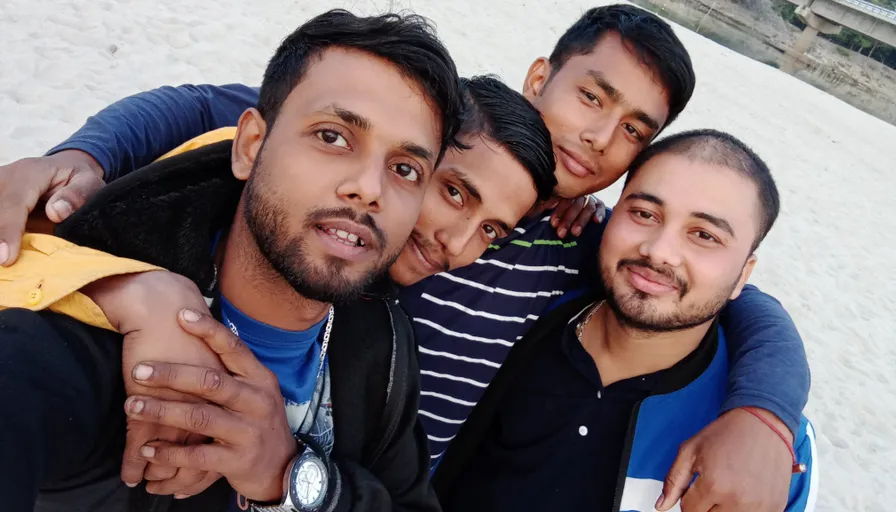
(829, 259)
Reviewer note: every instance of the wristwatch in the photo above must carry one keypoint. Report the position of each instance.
(305, 484)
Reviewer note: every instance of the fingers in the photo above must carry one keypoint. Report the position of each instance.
(72, 196)
(211, 384)
(185, 482)
(18, 196)
(133, 464)
(200, 457)
(583, 218)
(695, 499)
(204, 419)
(158, 473)
(238, 359)
(678, 479)
(600, 210)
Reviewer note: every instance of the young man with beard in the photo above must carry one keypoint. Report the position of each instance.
(615, 79)
(374, 102)
(589, 409)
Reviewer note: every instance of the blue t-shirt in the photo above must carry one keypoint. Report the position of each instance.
(293, 356)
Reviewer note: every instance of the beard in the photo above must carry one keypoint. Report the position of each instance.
(637, 310)
(286, 252)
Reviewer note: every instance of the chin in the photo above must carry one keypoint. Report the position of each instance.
(402, 275)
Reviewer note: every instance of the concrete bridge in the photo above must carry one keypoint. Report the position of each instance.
(829, 16)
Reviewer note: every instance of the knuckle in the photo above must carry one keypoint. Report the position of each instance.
(211, 381)
(196, 454)
(199, 418)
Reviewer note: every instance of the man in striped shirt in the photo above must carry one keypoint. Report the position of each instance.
(615, 79)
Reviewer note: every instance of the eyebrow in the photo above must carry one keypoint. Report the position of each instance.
(357, 120)
(650, 198)
(716, 221)
(616, 95)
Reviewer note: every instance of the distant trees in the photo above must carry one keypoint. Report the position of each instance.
(848, 38)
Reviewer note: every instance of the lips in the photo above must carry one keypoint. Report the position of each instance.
(425, 257)
(575, 163)
(347, 232)
(650, 282)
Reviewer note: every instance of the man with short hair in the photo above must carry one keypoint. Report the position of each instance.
(591, 406)
(615, 79)
(273, 242)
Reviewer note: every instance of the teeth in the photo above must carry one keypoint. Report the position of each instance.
(344, 237)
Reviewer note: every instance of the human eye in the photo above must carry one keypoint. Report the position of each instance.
(332, 138)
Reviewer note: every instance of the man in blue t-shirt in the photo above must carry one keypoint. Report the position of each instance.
(615, 79)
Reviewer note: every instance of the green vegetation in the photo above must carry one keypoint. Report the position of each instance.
(848, 38)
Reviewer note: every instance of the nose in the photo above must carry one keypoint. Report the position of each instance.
(455, 237)
(662, 248)
(598, 135)
(364, 187)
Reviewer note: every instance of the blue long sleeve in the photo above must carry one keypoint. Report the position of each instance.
(768, 366)
(136, 130)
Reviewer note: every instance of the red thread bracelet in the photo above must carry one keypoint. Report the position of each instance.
(796, 467)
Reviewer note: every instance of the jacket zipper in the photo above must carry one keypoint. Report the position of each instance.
(393, 423)
(626, 456)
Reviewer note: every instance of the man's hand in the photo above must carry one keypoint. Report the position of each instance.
(65, 180)
(143, 307)
(573, 215)
(245, 416)
(742, 464)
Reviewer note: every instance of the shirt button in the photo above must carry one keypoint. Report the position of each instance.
(34, 297)
(583, 431)
(598, 395)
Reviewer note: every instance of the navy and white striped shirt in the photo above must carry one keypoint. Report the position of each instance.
(467, 320)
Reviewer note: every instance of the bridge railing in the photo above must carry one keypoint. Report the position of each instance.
(871, 8)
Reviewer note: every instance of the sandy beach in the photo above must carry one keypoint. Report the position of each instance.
(829, 259)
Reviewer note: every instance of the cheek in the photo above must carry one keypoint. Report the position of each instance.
(472, 251)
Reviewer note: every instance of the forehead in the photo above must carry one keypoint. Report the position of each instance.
(507, 189)
(623, 69)
(372, 87)
(686, 187)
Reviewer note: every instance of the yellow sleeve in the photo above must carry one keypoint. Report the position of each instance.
(226, 133)
(50, 271)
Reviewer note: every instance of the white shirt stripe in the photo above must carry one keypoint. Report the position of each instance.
(502, 291)
(454, 378)
(473, 312)
(439, 418)
(424, 350)
(529, 268)
(463, 335)
(440, 439)
(448, 398)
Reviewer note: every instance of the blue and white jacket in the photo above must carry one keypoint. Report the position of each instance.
(660, 423)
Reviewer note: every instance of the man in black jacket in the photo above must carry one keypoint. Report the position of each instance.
(310, 203)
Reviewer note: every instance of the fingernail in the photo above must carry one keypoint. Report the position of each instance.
(148, 452)
(130, 485)
(62, 208)
(142, 372)
(576, 231)
(190, 315)
(4, 252)
(561, 232)
(659, 501)
(135, 406)
(553, 223)
(181, 496)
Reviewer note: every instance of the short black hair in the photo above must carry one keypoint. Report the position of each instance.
(497, 112)
(725, 150)
(643, 33)
(408, 41)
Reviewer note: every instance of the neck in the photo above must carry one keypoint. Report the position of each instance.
(255, 288)
(621, 352)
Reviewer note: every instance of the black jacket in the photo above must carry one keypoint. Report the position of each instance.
(167, 214)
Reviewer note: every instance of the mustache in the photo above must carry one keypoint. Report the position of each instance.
(432, 249)
(663, 271)
(365, 219)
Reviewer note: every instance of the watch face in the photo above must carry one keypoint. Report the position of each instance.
(310, 483)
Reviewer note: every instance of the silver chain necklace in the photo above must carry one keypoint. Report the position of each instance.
(580, 329)
(326, 341)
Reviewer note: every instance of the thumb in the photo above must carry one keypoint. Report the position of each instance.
(81, 187)
(678, 479)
